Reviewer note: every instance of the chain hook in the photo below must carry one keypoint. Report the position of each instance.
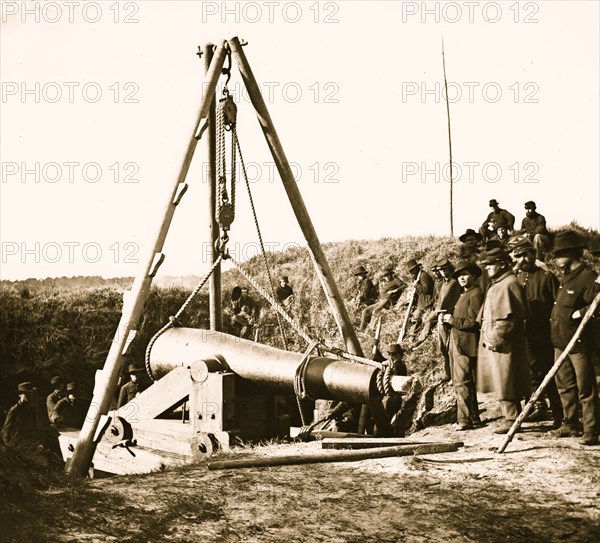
(227, 71)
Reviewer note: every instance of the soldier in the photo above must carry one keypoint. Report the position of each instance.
(69, 411)
(502, 365)
(575, 379)
(489, 227)
(449, 295)
(284, 291)
(245, 312)
(391, 288)
(470, 236)
(57, 393)
(393, 403)
(534, 226)
(464, 337)
(423, 292)
(366, 291)
(133, 387)
(20, 425)
(540, 288)
(501, 232)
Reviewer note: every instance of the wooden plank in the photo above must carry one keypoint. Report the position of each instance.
(337, 456)
(370, 442)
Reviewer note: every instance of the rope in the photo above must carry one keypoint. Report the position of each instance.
(300, 379)
(236, 143)
(174, 320)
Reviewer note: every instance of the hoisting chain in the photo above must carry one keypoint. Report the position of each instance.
(236, 143)
(174, 320)
(300, 378)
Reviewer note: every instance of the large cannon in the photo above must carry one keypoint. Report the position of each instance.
(212, 388)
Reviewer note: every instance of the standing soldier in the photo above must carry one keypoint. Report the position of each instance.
(540, 291)
(464, 337)
(57, 394)
(133, 387)
(69, 411)
(448, 296)
(366, 290)
(20, 425)
(575, 378)
(502, 354)
(534, 226)
(423, 291)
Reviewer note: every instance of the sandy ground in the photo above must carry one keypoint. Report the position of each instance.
(541, 489)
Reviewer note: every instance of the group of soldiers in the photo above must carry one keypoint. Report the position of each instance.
(245, 312)
(503, 318)
(26, 421)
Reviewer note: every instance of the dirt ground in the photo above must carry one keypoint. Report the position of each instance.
(541, 489)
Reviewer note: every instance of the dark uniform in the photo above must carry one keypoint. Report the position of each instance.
(20, 424)
(575, 379)
(450, 292)
(51, 401)
(391, 291)
(367, 292)
(464, 340)
(69, 413)
(540, 290)
(498, 216)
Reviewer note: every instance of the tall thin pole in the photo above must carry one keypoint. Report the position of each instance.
(214, 283)
(332, 293)
(132, 309)
(449, 142)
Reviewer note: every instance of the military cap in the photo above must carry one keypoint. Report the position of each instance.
(56, 380)
(360, 270)
(394, 348)
(26, 386)
(72, 386)
(468, 266)
(566, 241)
(470, 233)
(493, 202)
(497, 254)
(236, 293)
(521, 247)
(530, 205)
(134, 369)
(411, 264)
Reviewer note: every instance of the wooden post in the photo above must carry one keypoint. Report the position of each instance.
(214, 283)
(449, 144)
(334, 298)
(132, 308)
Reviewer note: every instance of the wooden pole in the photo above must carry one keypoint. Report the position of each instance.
(132, 308)
(339, 456)
(214, 283)
(449, 143)
(551, 373)
(334, 298)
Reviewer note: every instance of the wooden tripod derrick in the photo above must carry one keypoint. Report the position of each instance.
(107, 378)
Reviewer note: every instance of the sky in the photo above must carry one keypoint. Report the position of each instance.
(99, 99)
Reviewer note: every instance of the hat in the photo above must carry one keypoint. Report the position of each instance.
(521, 246)
(72, 386)
(493, 202)
(284, 278)
(595, 246)
(443, 263)
(26, 386)
(468, 266)
(394, 348)
(360, 270)
(236, 293)
(389, 270)
(411, 264)
(56, 380)
(530, 205)
(497, 254)
(132, 368)
(470, 233)
(567, 240)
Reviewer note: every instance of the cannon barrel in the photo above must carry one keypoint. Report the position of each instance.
(325, 378)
